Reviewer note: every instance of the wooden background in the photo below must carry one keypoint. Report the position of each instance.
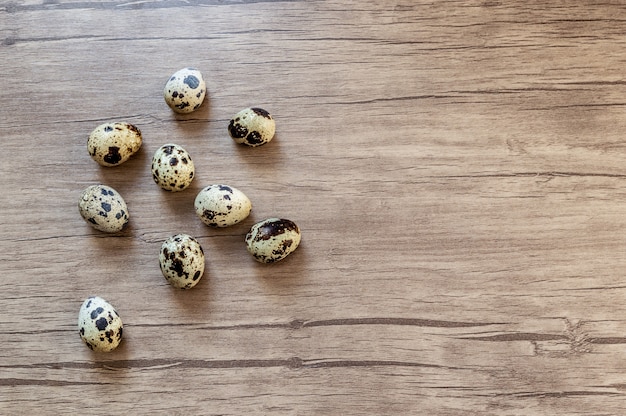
(457, 169)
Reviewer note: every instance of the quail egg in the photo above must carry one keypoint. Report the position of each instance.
(272, 239)
(185, 90)
(103, 208)
(111, 144)
(172, 168)
(99, 325)
(252, 127)
(222, 205)
(182, 261)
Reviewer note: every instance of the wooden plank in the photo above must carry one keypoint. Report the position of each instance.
(456, 168)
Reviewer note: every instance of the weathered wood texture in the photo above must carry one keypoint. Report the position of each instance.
(457, 169)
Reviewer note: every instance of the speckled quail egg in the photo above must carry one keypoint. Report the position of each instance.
(222, 205)
(185, 90)
(252, 127)
(172, 168)
(103, 208)
(99, 325)
(182, 261)
(111, 144)
(273, 239)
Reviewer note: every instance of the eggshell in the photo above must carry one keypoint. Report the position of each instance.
(103, 208)
(182, 261)
(273, 239)
(172, 168)
(222, 205)
(252, 127)
(99, 324)
(185, 90)
(111, 144)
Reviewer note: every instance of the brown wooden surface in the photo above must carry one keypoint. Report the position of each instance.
(457, 169)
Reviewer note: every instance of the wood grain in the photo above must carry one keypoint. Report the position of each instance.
(456, 167)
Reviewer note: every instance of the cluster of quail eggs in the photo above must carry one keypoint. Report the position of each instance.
(181, 257)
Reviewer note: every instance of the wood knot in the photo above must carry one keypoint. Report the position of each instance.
(575, 341)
